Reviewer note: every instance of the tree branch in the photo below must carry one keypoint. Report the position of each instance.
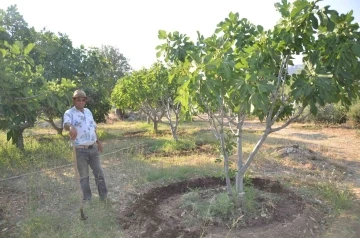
(26, 98)
(289, 121)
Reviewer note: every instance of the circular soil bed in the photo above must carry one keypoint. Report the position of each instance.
(157, 213)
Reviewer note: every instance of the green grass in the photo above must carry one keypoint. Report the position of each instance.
(51, 202)
(181, 145)
(339, 197)
(216, 206)
(40, 152)
(101, 223)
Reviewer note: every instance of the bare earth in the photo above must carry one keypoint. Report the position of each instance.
(158, 212)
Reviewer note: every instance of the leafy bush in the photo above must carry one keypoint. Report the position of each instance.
(216, 206)
(11, 159)
(40, 153)
(171, 146)
(223, 206)
(354, 113)
(340, 197)
(328, 114)
(104, 135)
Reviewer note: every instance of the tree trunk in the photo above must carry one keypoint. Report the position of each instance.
(59, 130)
(19, 139)
(239, 181)
(173, 132)
(120, 113)
(226, 163)
(156, 126)
(174, 125)
(239, 175)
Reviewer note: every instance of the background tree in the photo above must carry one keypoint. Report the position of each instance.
(118, 67)
(39, 62)
(140, 91)
(97, 77)
(21, 90)
(58, 99)
(61, 62)
(151, 92)
(15, 27)
(93, 79)
(117, 62)
(172, 106)
(55, 52)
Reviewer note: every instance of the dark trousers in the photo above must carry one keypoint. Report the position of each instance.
(86, 158)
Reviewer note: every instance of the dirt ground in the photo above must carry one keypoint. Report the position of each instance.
(158, 212)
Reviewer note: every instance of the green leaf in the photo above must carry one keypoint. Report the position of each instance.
(241, 65)
(232, 16)
(349, 16)
(3, 52)
(9, 135)
(28, 48)
(15, 49)
(213, 64)
(330, 25)
(162, 35)
(262, 88)
(158, 54)
(356, 49)
(313, 108)
(299, 5)
(307, 89)
(29, 60)
(210, 67)
(19, 44)
(323, 18)
(314, 21)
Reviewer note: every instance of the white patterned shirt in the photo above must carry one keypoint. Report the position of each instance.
(84, 124)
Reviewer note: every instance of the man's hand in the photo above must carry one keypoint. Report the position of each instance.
(99, 145)
(72, 133)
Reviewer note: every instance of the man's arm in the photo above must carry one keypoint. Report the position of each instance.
(67, 126)
(71, 129)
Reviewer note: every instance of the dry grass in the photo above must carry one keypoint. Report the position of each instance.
(45, 204)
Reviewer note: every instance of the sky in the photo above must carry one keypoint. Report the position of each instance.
(132, 26)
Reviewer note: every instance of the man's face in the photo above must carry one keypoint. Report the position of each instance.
(79, 103)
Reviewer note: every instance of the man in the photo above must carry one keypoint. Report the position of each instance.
(80, 123)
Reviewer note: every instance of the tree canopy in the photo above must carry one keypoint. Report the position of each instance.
(242, 70)
(40, 70)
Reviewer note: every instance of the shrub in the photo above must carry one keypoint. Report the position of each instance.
(354, 113)
(328, 114)
(180, 145)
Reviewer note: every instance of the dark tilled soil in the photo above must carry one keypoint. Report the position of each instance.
(291, 216)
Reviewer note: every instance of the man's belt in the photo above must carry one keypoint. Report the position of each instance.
(84, 146)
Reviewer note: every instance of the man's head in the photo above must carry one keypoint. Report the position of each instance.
(79, 99)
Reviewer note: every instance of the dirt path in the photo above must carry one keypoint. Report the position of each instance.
(336, 142)
(157, 213)
(341, 144)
